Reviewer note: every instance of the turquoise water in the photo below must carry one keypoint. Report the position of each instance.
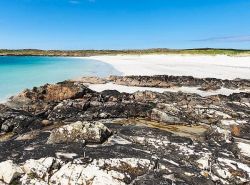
(19, 73)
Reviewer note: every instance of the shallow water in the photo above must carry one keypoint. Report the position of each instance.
(19, 73)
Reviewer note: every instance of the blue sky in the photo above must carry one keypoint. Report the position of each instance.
(124, 24)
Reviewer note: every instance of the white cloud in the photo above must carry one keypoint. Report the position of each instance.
(74, 2)
(79, 1)
(242, 38)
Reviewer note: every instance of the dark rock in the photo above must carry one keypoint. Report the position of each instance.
(172, 81)
(41, 99)
(17, 121)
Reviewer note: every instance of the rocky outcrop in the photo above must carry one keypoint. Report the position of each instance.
(75, 110)
(56, 92)
(166, 81)
(55, 171)
(157, 138)
(40, 98)
(94, 132)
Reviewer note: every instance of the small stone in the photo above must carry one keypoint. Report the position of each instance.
(46, 123)
(203, 163)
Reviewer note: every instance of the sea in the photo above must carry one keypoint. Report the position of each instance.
(22, 72)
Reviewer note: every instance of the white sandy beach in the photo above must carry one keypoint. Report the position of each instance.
(220, 66)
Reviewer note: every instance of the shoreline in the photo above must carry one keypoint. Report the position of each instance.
(172, 64)
(18, 74)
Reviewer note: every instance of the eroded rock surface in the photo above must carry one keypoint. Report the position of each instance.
(117, 171)
(61, 134)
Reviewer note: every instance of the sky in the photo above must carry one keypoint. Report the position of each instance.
(124, 24)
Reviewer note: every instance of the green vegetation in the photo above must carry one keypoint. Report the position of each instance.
(205, 51)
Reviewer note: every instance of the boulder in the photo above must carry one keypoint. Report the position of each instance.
(54, 92)
(42, 99)
(91, 132)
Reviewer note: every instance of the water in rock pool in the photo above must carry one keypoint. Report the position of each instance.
(19, 73)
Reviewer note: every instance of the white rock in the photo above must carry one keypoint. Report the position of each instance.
(103, 177)
(80, 174)
(244, 148)
(215, 113)
(171, 161)
(114, 139)
(224, 132)
(66, 155)
(132, 162)
(161, 142)
(101, 171)
(26, 180)
(223, 173)
(229, 122)
(40, 167)
(62, 176)
(235, 166)
(204, 163)
(184, 149)
(9, 171)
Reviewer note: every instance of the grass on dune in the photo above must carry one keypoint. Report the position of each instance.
(206, 51)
